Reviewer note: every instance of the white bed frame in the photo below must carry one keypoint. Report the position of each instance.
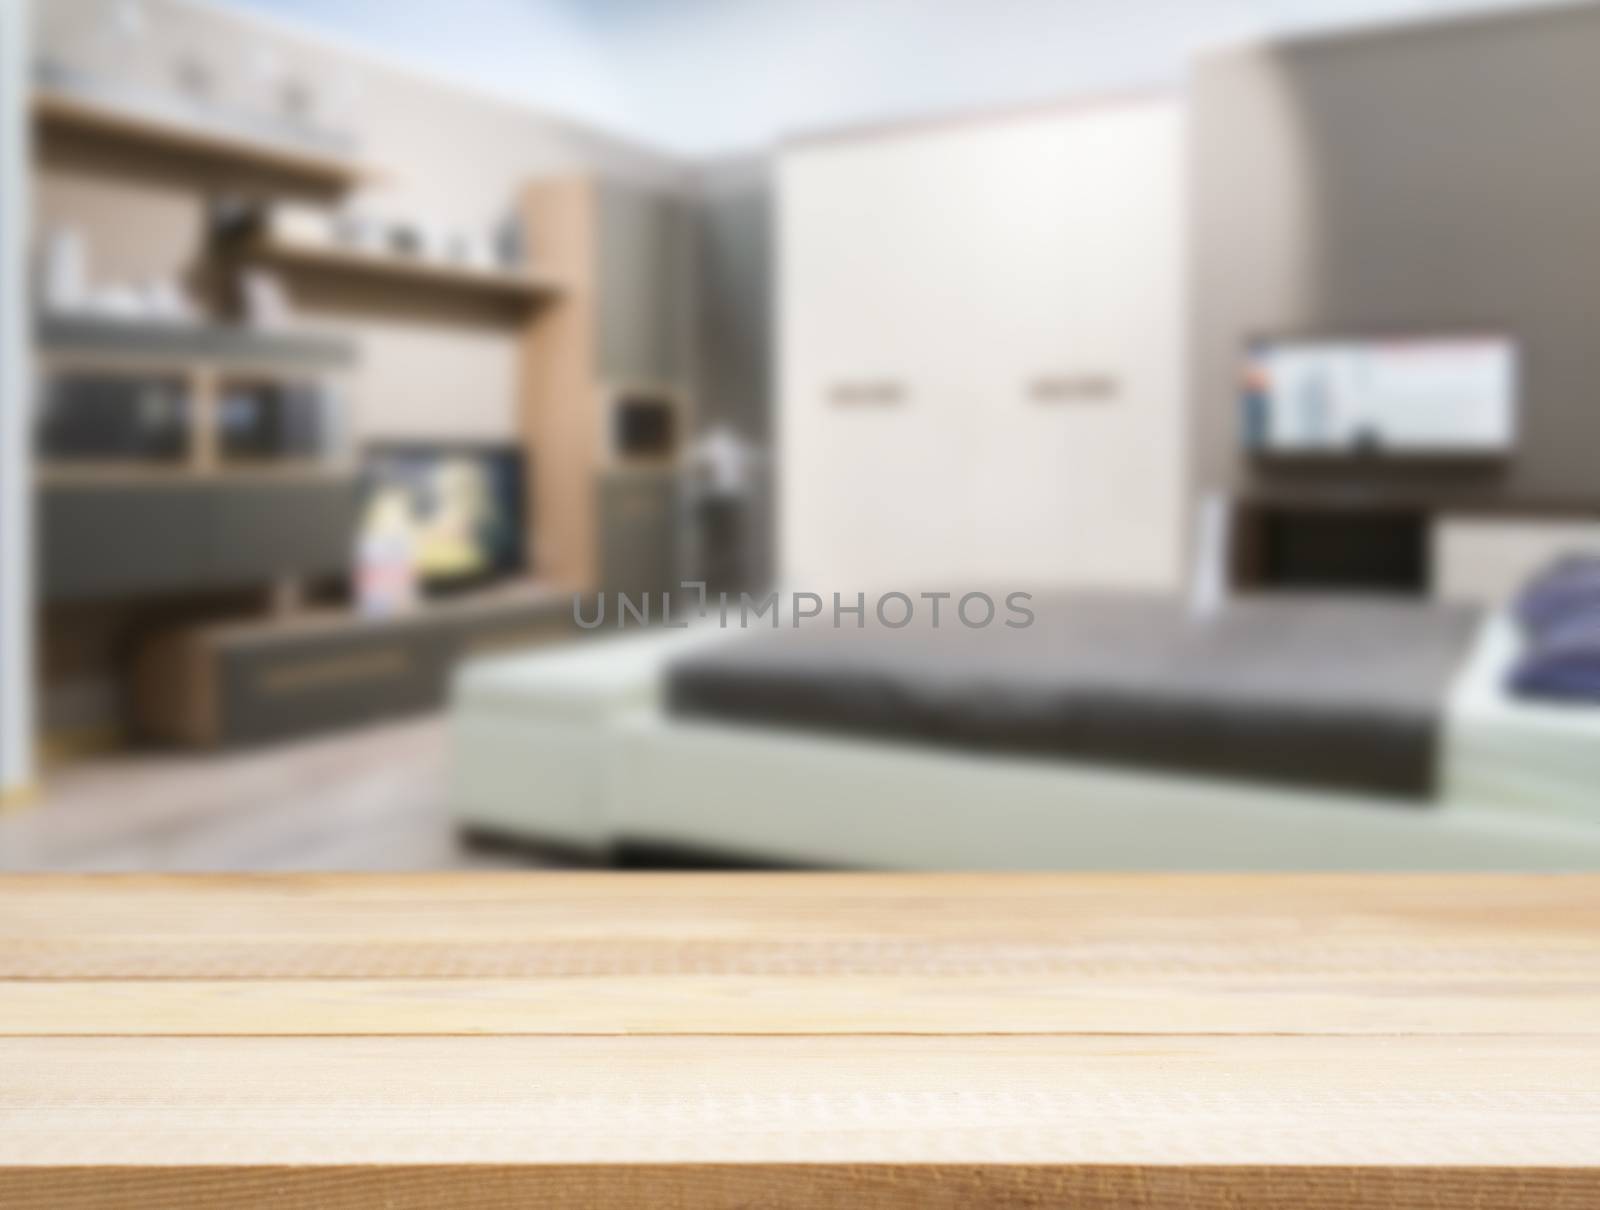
(571, 747)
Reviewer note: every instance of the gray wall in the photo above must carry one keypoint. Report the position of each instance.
(734, 271)
(1434, 176)
(734, 266)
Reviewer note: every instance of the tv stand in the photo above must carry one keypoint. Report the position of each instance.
(1411, 542)
(245, 681)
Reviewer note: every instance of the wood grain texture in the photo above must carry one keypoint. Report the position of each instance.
(1230, 1003)
(819, 1040)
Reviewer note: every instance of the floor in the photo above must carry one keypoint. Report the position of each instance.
(372, 799)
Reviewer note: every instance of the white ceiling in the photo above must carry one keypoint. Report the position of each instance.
(711, 77)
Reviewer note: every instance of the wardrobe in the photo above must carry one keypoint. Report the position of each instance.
(981, 352)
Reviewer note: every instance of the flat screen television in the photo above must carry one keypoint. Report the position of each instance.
(463, 506)
(1447, 396)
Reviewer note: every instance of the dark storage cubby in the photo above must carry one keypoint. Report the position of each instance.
(96, 416)
(1380, 550)
(263, 419)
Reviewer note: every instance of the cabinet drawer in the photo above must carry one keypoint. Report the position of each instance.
(302, 688)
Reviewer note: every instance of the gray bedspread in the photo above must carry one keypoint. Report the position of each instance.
(1331, 692)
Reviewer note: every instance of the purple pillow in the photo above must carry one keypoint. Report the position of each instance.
(1566, 591)
(1562, 662)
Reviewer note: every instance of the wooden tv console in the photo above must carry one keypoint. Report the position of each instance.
(234, 683)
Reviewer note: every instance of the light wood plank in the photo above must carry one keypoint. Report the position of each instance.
(550, 926)
(1526, 1102)
(934, 1186)
(1111, 1003)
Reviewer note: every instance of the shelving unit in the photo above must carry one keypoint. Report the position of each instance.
(201, 361)
(203, 518)
(170, 129)
(198, 513)
(503, 285)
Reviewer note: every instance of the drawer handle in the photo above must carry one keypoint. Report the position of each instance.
(884, 393)
(1073, 388)
(309, 675)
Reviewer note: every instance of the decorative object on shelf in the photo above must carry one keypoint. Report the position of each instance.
(102, 40)
(298, 100)
(196, 79)
(162, 298)
(263, 302)
(469, 250)
(65, 287)
(386, 558)
(115, 301)
(722, 462)
(407, 238)
(64, 270)
(511, 243)
(359, 229)
(296, 223)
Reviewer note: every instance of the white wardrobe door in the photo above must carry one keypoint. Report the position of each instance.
(872, 465)
(1078, 436)
(981, 352)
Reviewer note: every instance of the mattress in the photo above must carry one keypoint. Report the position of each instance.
(1518, 753)
(1340, 693)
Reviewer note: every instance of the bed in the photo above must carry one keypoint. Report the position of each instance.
(1322, 692)
(1310, 733)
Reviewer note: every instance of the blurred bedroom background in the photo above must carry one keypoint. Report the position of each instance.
(1101, 434)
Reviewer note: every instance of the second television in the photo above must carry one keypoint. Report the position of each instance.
(1410, 396)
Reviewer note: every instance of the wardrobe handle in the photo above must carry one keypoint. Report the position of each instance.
(1049, 389)
(880, 393)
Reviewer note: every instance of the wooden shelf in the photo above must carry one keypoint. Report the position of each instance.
(168, 129)
(495, 284)
(224, 344)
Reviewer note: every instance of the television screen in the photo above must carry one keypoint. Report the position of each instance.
(458, 510)
(1439, 395)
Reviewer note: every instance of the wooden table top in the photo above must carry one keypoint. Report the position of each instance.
(602, 1040)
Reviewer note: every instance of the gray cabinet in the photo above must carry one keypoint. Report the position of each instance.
(107, 540)
(97, 541)
(639, 532)
(645, 265)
